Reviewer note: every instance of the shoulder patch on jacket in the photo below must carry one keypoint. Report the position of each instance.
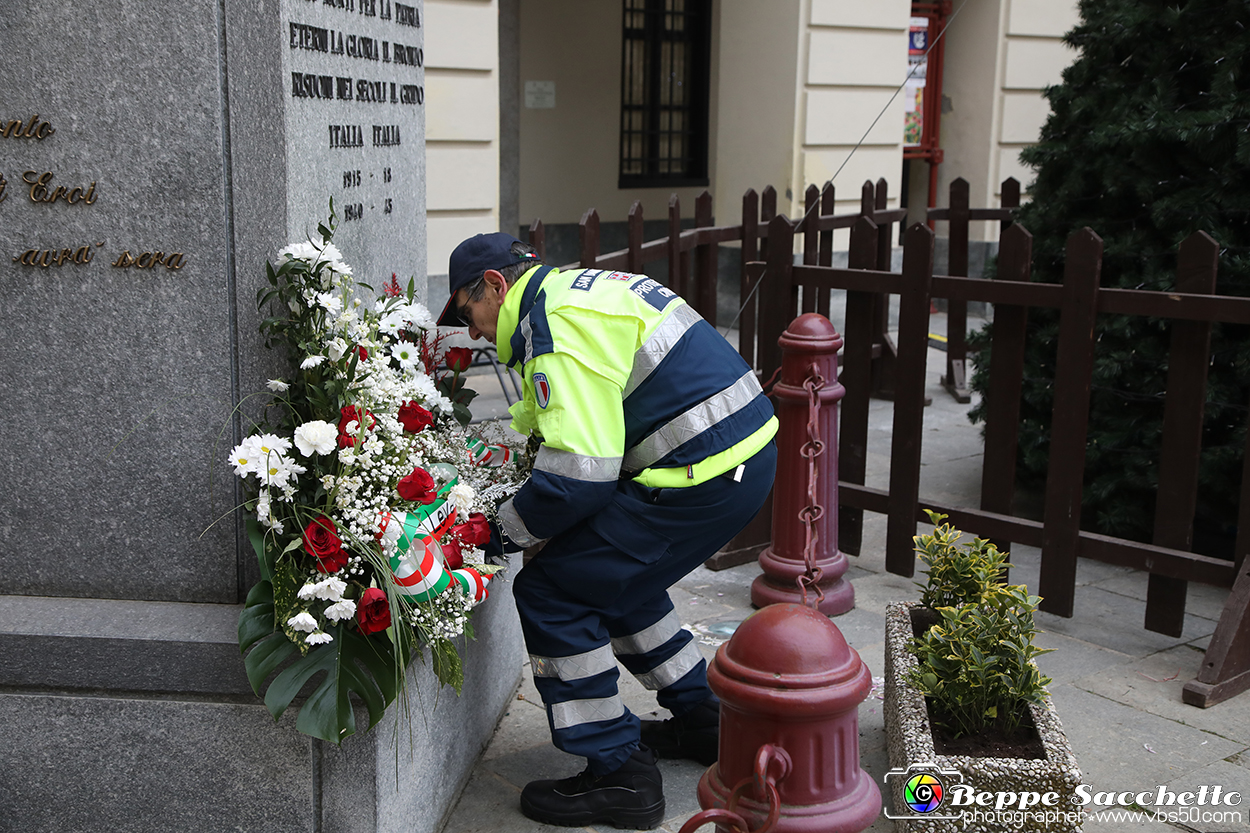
(653, 293)
(542, 390)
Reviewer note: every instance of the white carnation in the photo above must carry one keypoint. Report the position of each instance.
(316, 437)
(336, 349)
(461, 497)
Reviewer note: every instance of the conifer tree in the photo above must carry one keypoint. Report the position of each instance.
(1148, 141)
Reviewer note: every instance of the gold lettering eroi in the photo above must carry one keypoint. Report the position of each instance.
(55, 257)
(34, 129)
(40, 192)
(150, 260)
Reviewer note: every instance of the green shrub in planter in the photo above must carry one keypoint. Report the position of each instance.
(959, 574)
(976, 663)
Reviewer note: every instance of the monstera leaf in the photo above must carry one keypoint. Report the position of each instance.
(352, 664)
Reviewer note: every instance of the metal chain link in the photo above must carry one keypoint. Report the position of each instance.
(813, 512)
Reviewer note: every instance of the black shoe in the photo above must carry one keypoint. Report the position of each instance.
(694, 735)
(631, 798)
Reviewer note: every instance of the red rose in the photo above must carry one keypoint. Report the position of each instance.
(414, 418)
(347, 415)
(459, 359)
(452, 554)
(321, 541)
(475, 531)
(373, 614)
(418, 487)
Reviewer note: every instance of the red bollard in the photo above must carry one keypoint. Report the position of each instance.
(809, 348)
(790, 688)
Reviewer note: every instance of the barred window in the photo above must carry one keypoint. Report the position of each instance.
(665, 64)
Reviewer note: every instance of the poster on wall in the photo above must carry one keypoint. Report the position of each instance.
(913, 90)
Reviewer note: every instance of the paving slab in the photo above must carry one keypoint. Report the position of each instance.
(1153, 684)
(1122, 748)
(1115, 621)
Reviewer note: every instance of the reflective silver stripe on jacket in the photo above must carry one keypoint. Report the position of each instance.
(656, 347)
(690, 424)
(514, 527)
(577, 466)
(576, 712)
(672, 669)
(650, 638)
(577, 667)
(527, 333)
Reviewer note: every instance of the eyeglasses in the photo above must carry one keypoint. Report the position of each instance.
(465, 315)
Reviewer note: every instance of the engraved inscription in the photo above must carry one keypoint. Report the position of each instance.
(33, 128)
(408, 55)
(150, 260)
(40, 191)
(310, 85)
(310, 37)
(385, 135)
(4, 183)
(353, 212)
(55, 257)
(407, 16)
(346, 136)
(351, 179)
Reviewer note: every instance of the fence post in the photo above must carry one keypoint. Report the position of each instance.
(1070, 422)
(588, 233)
(913, 335)
(633, 260)
(768, 210)
(747, 300)
(676, 262)
(883, 370)
(955, 381)
(775, 294)
(1002, 424)
(811, 240)
(1177, 496)
(828, 208)
(538, 238)
(1010, 197)
(704, 290)
(857, 380)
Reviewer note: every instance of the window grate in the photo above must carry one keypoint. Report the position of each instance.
(664, 92)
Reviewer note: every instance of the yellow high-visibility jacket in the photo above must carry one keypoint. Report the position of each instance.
(622, 378)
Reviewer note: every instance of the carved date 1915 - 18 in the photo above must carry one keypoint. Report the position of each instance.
(40, 190)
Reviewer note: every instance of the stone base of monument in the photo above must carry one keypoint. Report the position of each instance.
(137, 716)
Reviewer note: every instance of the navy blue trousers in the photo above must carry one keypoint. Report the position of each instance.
(598, 593)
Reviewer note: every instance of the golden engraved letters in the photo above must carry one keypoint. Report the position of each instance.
(54, 257)
(150, 260)
(34, 129)
(39, 191)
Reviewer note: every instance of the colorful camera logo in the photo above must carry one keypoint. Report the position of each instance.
(920, 791)
(923, 792)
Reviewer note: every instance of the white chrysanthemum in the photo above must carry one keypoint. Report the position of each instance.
(318, 638)
(300, 251)
(336, 349)
(331, 303)
(316, 437)
(277, 385)
(277, 469)
(339, 611)
(311, 362)
(461, 497)
(303, 621)
(330, 589)
(270, 443)
(247, 457)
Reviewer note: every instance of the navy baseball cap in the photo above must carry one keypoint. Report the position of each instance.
(470, 260)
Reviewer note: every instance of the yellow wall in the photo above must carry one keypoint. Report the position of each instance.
(462, 123)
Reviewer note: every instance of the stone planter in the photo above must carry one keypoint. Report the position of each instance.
(910, 744)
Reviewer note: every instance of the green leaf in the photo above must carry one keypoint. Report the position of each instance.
(351, 664)
(257, 536)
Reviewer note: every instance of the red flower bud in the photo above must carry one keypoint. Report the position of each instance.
(418, 487)
(414, 418)
(373, 614)
(459, 359)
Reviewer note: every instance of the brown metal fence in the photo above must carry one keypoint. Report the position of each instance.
(774, 290)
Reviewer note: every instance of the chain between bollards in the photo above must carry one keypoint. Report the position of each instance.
(813, 512)
(772, 764)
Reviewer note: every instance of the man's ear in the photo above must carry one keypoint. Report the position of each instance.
(496, 280)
